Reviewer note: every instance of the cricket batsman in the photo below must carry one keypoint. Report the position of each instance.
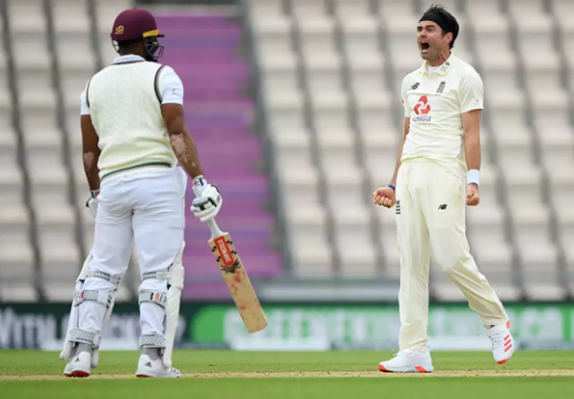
(436, 175)
(134, 134)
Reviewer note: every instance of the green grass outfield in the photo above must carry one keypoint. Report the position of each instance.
(332, 375)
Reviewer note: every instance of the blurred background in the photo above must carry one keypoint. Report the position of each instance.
(295, 108)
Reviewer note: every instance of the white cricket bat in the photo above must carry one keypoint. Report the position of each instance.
(236, 279)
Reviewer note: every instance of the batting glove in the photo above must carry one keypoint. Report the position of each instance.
(208, 200)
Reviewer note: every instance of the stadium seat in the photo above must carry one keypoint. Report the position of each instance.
(360, 34)
(380, 156)
(266, 8)
(323, 75)
(331, 114)
(352, 229)
(280, 73)
(345, 8)
(299, 186)
(403, 51)
(312, 256)
(308, 8)
(526, 9)
(494, 55)
(539, 259)
(374, 112)
(306, 224)
(461, 46)
(366, 74)
(27, 16)
(387, 241)
(317, 39)
(562, 12)
(71, 17)
(392, 8)
(451, 5)
(482, 10)
(17, 273)
(273, 36)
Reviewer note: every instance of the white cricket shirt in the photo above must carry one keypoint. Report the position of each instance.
(435, 102)
(124, 102)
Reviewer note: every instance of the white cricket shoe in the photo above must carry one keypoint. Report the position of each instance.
(408, 361)
(68, 369)
(502, 342)
(148, 368)
(79, 366)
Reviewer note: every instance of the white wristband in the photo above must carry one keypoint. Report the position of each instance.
(199, 184)
(473, 176)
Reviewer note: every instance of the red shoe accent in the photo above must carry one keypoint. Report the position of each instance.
(502, 361)
(507, 349)
(508, 324)
(421, 369)
(143, 376)
(383, 369)
(79, 374)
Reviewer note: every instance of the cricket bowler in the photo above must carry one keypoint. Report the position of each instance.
(436, 175)
(134, 134)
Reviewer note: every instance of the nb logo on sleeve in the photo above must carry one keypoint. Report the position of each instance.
(442, 207)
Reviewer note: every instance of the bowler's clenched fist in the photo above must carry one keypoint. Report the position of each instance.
(472, 195)
(384, 196)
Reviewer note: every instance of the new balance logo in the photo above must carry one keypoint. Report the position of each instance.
(398, 207)
(415, 86)
(442, 207)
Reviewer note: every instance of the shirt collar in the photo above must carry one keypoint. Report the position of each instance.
(128, 58)
(443, 68)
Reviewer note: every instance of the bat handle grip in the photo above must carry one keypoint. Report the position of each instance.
(215, 230)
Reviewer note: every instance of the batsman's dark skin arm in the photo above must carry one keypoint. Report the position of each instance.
(91, 152)
(183, 145)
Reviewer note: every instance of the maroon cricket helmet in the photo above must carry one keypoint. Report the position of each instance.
(136, 23)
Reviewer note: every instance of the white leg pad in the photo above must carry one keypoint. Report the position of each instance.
(74, 334)
(152, 315)
(174, 277)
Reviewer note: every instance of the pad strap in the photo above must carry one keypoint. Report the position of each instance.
(115, 279)
(152, 340)
(102, 297)
(156, 297)
(156, 276)
(79, 335)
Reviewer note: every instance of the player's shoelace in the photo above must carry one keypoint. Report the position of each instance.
(496, 341)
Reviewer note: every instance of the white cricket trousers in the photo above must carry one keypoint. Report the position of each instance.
(148, 208)
(430, 209)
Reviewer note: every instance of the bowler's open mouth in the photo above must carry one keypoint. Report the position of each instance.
(425, 46)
